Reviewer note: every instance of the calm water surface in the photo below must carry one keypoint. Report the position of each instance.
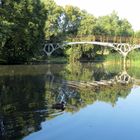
(102, 102)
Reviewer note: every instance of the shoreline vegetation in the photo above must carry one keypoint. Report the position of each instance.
(26, 25)
(114, 58)
(132, 59)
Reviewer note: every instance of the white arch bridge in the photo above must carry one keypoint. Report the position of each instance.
(121, 48)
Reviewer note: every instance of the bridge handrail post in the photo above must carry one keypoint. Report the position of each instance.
(120, 39)
(101, 38)
(114, 39)
(94, 38)
(107, 39)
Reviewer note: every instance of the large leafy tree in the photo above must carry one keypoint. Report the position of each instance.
(54, 22)
(87, 24)
(24, 22)
(137, 33)
(72, 19)
(113, 25)
(125, 28)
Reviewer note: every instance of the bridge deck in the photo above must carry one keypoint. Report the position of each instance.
(123, 45)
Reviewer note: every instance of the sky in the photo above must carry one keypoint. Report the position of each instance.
(129, 9)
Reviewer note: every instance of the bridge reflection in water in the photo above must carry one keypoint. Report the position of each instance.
(68, 88)
(28, 93)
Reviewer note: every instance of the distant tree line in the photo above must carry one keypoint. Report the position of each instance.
(26, 24)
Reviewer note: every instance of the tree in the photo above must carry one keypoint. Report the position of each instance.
(54, 22)
(72, 19)
(137, 33)
(125, 28)
(24, 22)
(113, 25)
(87, 24)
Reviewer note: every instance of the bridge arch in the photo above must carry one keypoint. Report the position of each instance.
(133, 47)
(121, 48)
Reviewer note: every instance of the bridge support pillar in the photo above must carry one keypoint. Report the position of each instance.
(124, 61)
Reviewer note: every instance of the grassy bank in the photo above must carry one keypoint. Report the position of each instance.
(56, 60)
(113, 57)
(134, 56)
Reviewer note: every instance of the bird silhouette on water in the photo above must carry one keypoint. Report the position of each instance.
(59, 106)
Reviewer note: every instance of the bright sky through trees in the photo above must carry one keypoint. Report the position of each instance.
(129, 9)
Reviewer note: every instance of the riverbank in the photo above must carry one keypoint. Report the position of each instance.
(132, 58)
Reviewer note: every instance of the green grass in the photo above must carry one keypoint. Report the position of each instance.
(134, 56)
(57, 60)
(113, 57)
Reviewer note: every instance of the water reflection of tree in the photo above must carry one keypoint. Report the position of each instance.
(88, 71)
(19, 98)
(85, 96)
(25, 99)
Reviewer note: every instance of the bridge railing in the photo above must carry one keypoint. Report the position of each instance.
(104, 38)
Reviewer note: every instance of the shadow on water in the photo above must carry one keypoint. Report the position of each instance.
(31, 94)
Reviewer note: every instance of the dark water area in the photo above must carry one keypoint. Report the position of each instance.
(69, 102)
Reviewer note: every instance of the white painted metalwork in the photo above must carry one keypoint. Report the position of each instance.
(122, 48)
